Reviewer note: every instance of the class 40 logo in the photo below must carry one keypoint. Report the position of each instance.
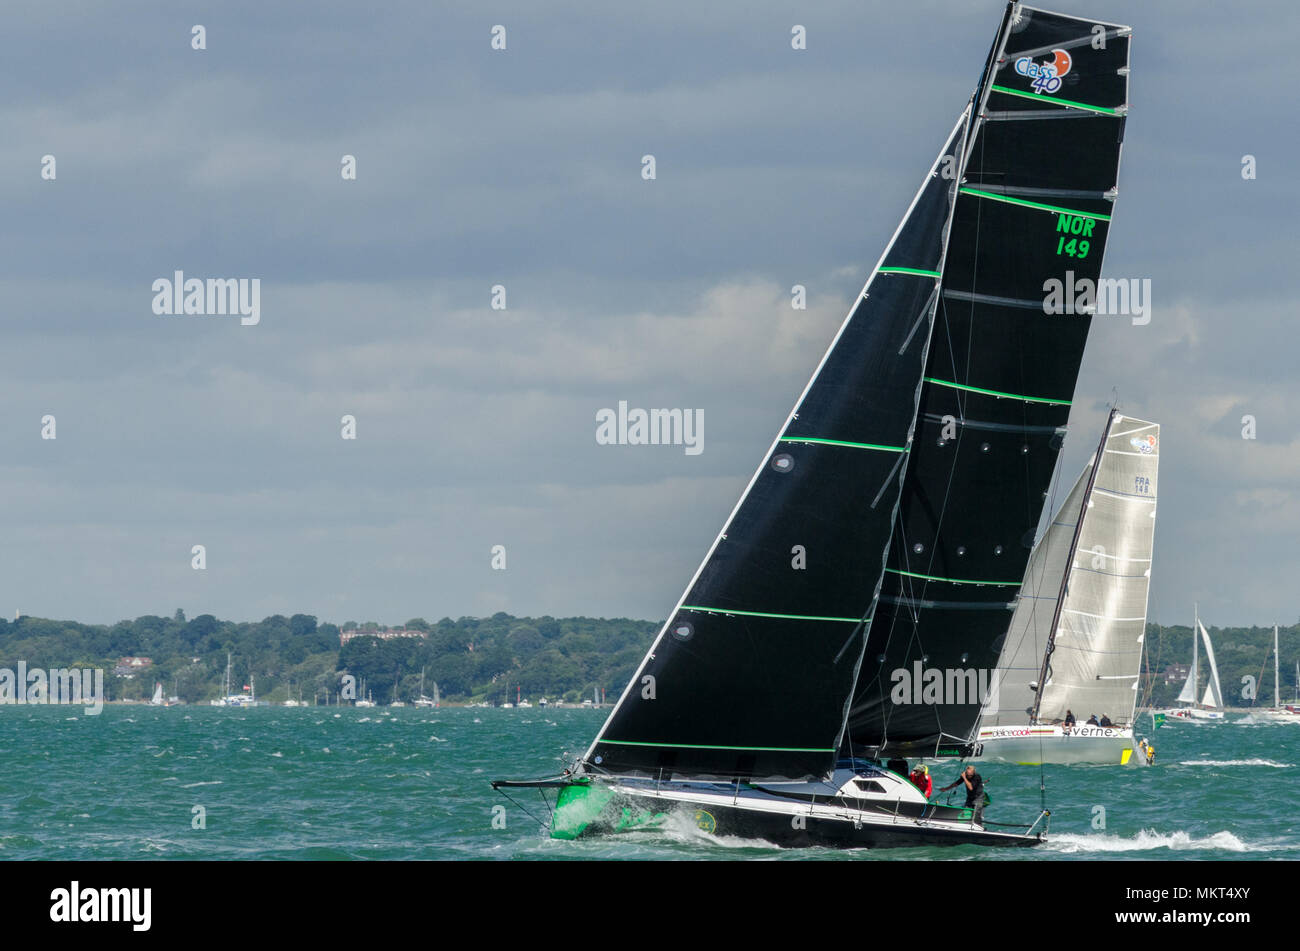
(1045, 76)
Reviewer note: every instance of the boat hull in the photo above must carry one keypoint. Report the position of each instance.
(1191, 713)
(1034, 745)
(592, 809)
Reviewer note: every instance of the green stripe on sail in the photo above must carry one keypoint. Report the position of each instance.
(1055, 209)
(705, 746)
(1060, 102)
(786, 617)
(840, 442)
(909, 270)
(1011, 396)
(913, 574)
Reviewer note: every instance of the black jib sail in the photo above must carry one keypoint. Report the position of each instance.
(1028, 233)
(752, 673)
(916, 459)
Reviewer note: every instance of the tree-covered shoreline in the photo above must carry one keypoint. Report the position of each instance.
(473, 659)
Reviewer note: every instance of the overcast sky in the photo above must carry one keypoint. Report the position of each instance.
(476, 427)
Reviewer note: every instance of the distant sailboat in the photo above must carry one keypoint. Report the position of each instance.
(157, 699)
(1211, 705)
(367, 700)
(422, 700)
(229, 699)
(396, 701)
(1278, 713)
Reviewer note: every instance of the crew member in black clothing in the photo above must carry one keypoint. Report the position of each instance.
(974, 790)
(1069, 718)
(1105, 721)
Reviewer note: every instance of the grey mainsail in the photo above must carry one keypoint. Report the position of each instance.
(1081, 615)
(1097, 652)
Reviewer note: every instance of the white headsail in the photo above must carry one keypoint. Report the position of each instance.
(1213, 694)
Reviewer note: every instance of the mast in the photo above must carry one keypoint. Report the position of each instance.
(1195, 680)
(1069, 561)
(1277, 680)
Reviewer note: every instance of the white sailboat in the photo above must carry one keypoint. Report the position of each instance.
(422, 700)
(157, 699)
(1211, 705)
(1079, 625)
(1278, 713)
(229, 699)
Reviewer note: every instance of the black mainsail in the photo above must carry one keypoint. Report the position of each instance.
(1034, 206)
(891, 519)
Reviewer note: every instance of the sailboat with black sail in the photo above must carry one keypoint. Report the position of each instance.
(855, 601)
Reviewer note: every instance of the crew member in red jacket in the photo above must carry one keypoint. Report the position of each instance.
(920, 778)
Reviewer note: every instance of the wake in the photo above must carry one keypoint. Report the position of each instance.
(1147, 840)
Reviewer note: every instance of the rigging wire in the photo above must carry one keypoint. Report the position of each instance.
(524, 809)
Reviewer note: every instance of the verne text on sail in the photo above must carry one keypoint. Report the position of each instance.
(65, 686)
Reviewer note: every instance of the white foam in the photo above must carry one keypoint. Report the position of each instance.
(1146, 840)
(1235, 762)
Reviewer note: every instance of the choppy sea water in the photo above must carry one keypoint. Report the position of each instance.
(343, 783)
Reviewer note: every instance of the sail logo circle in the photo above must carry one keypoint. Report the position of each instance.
(1047, 77)
(1144, 444)
(705, 821)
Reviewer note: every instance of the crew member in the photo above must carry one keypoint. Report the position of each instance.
(974, 790)
(920, 778)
